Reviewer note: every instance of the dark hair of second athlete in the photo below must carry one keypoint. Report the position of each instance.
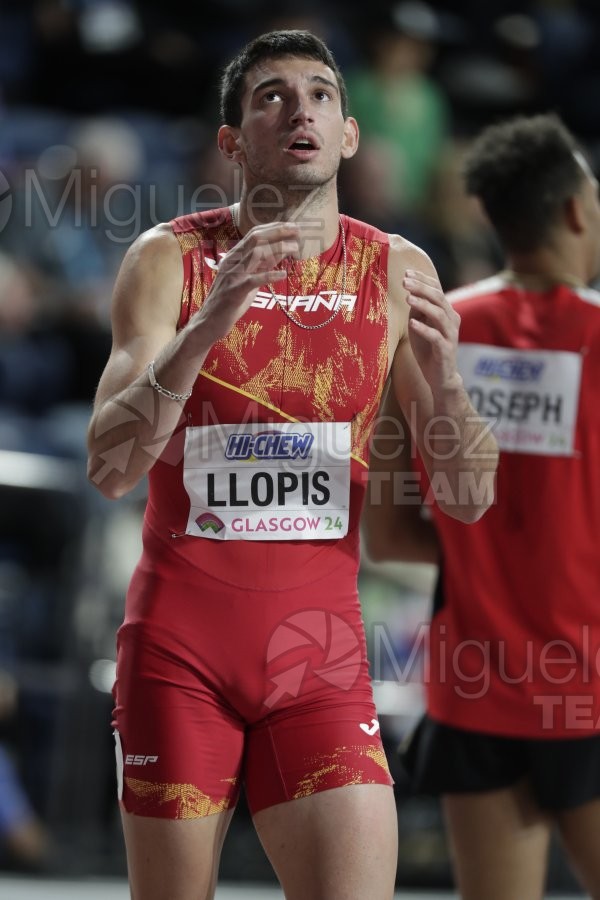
(523, 170)
(273, 45)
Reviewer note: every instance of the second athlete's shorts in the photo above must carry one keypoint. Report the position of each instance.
(563, 772)
(218, 686)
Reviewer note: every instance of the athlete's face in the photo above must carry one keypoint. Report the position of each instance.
(292, 131)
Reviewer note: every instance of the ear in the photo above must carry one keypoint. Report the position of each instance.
(350, 139)
(574, 214)
(228, 139)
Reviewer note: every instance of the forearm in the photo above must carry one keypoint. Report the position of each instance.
(394, 536)
(130, 429)
(132, 421)
(461, 455)
(394, 527)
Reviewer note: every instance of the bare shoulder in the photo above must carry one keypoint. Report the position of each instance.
(406, 255)
(145, 308)
(156, 245)
(403, 255)
(149, 284)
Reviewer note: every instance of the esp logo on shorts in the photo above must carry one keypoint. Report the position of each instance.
(133, 759)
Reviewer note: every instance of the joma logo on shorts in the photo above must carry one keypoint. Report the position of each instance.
(136, 760)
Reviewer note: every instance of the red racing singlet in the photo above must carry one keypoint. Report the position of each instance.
(515, 644)
(267, 369)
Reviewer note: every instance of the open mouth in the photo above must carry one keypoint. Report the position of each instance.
(303, 145)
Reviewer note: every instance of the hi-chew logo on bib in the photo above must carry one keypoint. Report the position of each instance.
(532, 394)
(269, 445)
(286, 482)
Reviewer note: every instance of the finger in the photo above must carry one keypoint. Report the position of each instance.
(423, 288)
(256, 279)
(432, 294)
(428, 333)
(416, 274)
(259, 257)
(273, 231)
(275, 275)
(434, 315)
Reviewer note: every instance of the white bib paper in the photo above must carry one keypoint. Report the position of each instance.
(532, 394)
(258, 482)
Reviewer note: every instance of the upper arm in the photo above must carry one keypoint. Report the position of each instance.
(145, 308)
(410, 387)
(394, 527)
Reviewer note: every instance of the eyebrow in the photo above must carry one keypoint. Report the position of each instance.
(278, 81)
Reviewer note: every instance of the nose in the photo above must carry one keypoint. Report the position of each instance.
(300, 111)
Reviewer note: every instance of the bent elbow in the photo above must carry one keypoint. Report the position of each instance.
(472, 498)
(468, 514)
(473, 514)
(111, 484)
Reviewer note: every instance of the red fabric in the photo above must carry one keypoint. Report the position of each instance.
(217, 685)
(527, 574)
(335, 373)
(196, 673)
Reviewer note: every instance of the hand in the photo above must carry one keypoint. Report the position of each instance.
(433, 326)
(251, 263)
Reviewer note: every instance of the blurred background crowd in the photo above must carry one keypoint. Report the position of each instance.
(108, 116)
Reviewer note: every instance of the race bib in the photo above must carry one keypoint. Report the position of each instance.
(532, 394)
(257, 482)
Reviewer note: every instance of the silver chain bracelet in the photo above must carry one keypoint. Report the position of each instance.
(162, 390)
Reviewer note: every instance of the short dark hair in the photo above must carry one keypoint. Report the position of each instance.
(273, 45)
(523, 170)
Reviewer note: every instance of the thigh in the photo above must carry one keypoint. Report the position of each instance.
(580, 833)
(179, 745)
(334, 844)
(566, 778)
(312, 749)
(173, 859)
(320, 791)
(499, 842)
(178, 750)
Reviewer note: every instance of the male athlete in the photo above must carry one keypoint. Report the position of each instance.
(511, 736)
(251, 346)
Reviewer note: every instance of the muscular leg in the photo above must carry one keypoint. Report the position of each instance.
(339, 843)
(580, 832)
(174, 859)
(499, 842)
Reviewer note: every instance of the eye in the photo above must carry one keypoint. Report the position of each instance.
(322, 94)
(272, 96)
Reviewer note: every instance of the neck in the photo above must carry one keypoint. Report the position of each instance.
(535, 281)
(545, 269)
(317, 213)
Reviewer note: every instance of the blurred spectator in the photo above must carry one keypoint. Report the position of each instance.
(328, 21)
(79, 207)
(33, 361)
(462, 242)
(24, 841)
(399, 105)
